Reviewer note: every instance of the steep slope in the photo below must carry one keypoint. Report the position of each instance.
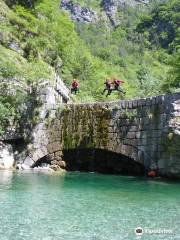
(37, 39)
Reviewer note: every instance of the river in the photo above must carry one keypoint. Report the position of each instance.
(86, 206)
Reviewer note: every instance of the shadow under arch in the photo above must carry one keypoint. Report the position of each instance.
(101, 161)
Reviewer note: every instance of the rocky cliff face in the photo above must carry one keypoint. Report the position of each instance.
(78, 13)
(112, 8)
(109, 10)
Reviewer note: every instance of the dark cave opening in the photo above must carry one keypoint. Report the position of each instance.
(42, 161)
(101, 161)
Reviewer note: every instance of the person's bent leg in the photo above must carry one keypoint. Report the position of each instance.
(109, 92)
(104, 91)
(120, 90)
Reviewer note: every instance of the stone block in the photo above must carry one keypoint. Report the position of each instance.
(155, 133)
(28, 161)
(176, 114)
(134, 103)
(62, 164)
(143, 112)
(130, 104)
(51, 157)
(138, 134)
(153, 100)
(129, 151)
(130, 142)
(123, 129)
(54, 147)
(136, 121)
(110, 129)
(142, 142)
(134, 155)
(143, 134)
(141, 102)
(39, 153)
(175, 96)
(50, 148)
(55, 167)
(140, 156)
(133, 129)
(58, 154)
(148, 101)
(163, 163)
(58, 158)
(54, 162)
(111, 122)
(131, 135)
(35, 157)
(123, 104)
(159, 99)
(145, 121)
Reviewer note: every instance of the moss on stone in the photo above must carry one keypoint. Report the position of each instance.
(102, 128)
(168, 141)
(85, 127)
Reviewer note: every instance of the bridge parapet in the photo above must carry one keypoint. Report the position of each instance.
(62, 89)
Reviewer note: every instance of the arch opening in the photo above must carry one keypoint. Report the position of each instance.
(42, 162)
(101, 161)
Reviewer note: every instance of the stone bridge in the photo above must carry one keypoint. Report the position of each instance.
(126, 137)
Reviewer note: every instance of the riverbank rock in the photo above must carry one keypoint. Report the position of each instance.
(6, 156)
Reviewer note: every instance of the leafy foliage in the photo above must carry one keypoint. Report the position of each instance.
(46, 40)
(173, 78)
(162, 24)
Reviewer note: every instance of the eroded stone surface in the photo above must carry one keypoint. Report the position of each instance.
(145, 130)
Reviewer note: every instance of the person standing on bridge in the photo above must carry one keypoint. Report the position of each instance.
(117, 85)
(74, 86)
(108, 87)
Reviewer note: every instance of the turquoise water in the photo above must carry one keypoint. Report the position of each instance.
(80, 206)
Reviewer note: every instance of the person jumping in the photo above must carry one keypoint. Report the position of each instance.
(117, 85)
(108, 87)
(74, 86)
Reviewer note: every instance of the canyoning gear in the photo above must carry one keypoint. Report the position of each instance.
(152, 173)
(117, 83)
(108, 83)
(74, 86)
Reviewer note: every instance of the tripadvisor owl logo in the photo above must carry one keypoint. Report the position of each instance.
(139, 231)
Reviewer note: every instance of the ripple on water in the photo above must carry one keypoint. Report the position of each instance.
(85, 206)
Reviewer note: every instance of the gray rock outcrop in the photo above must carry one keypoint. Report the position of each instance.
(110, 10)
(78, 13)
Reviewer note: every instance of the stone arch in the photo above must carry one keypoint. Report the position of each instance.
(102, 161)
(144, 131)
